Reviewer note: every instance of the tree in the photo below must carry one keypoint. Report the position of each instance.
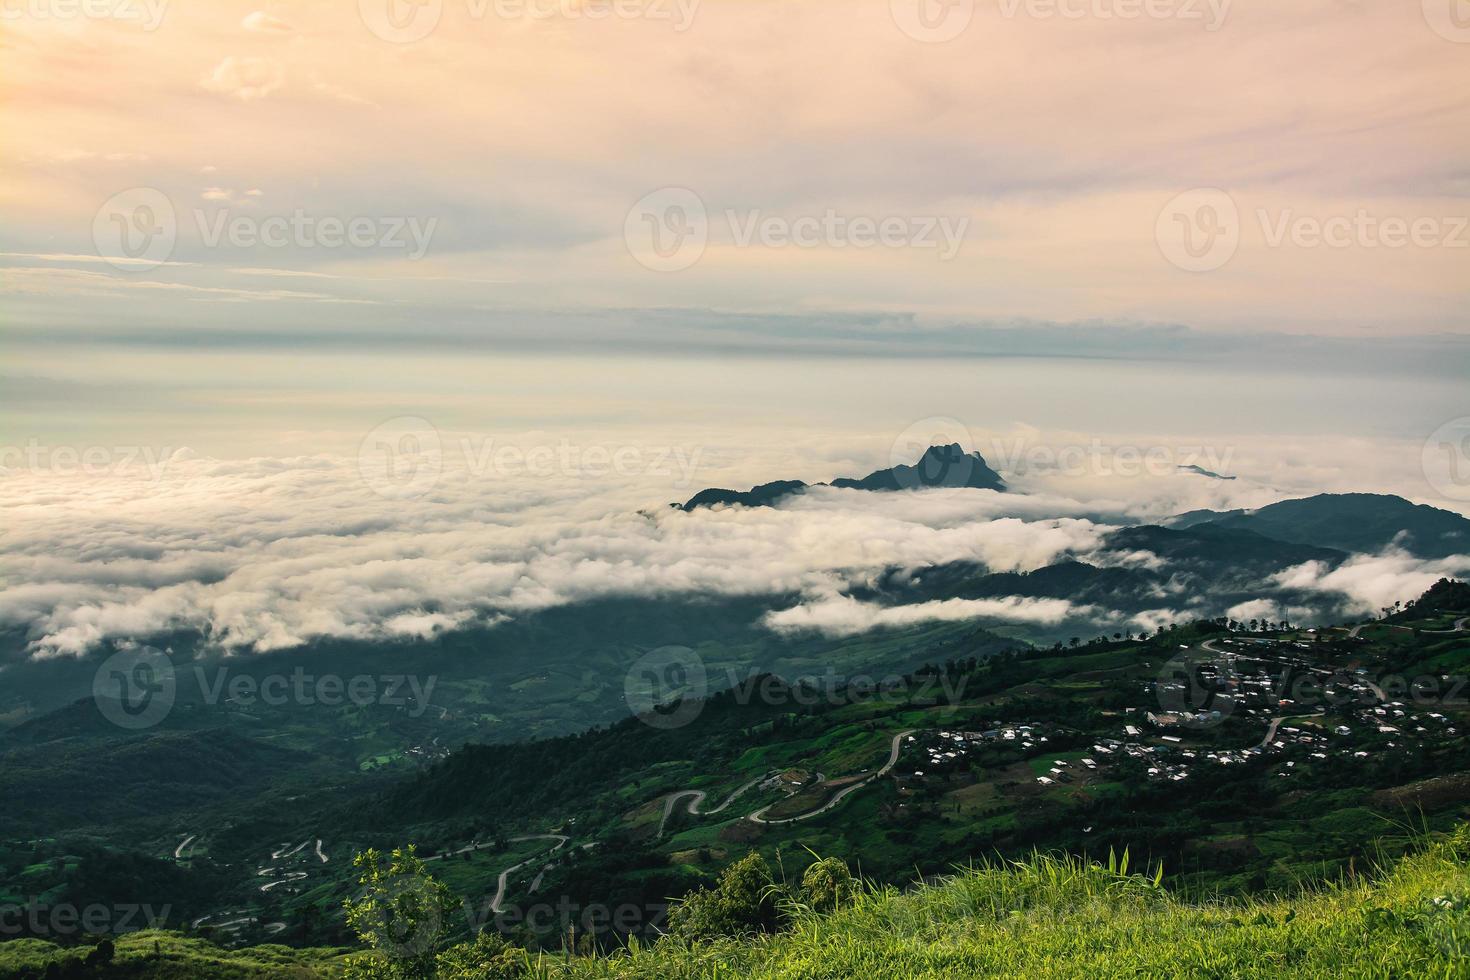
(101, 957)
(401, 914)
(742, 903)
(486, 957)
(827, 884)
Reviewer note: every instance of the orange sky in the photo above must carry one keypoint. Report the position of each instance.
(526, 130)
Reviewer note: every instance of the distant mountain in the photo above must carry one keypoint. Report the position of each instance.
(940, 466)
(764, 495)
(1141, 568)
(1361, 522)
(1201, 471)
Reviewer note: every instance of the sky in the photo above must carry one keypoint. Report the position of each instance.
(509, 169)
(251, 251)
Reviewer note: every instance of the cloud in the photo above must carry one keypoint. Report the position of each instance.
(271, 553)
(1372, 583)
(843, 616)
(260, 22)
(245, 78)
(1255, 609)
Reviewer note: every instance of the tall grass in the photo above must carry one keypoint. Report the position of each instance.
(1065, 917)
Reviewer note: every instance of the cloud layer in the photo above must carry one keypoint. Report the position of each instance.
(269, 553)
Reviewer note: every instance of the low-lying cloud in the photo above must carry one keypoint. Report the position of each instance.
(271, 553)
(840, 615)
(1373, 583)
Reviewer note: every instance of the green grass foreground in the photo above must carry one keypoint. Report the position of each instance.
(1054, 917)
(1045, 917)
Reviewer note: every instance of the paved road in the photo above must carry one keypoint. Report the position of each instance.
(1461, 626)
(561, 841)
(1276, 723)
(696, 798)
(179, 851)
(757, 816)
(290, 877)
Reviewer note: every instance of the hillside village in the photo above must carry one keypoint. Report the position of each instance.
(1308, 710)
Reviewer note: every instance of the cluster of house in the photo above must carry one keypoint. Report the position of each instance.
(1061, 771)
(1265, 679)
(946, 748)
(427, 752)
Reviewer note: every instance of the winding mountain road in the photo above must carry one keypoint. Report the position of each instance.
(1461, 626)
(696, 798)
(561, 841)
(893, 752)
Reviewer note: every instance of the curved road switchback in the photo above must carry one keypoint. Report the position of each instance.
(561, 841)
(696, 798)
(893, 753)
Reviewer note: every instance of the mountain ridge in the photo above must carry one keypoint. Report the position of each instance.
(938, 466)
